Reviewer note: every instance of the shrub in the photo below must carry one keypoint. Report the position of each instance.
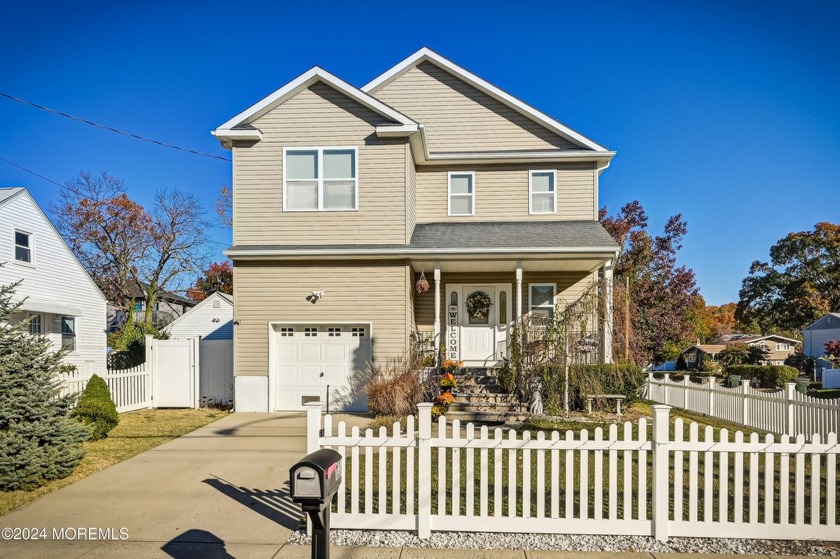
(681, 365)
(96, 409)
(584, 380)
(38, 442)
(770, 376)
(506, 378)
(394, 390)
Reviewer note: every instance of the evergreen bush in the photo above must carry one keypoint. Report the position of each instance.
(38, 441)
(769, 375)
(96, 409)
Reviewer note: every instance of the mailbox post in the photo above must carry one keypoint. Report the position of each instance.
(314, 482)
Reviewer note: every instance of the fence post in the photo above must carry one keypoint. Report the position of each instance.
(313, 425)
(150, 371)
(661, 475)
(665, 379)
(424, 471)
(745, 411)
(790, 390)
(686, 380)
(712, 383)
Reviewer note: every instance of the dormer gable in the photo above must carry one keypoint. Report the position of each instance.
(463, 113)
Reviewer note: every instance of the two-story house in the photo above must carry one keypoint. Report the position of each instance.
(778, 349)
(59, 298)
(344, 196)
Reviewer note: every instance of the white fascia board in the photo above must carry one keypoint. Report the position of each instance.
(517, 157)
(607, 252)
(303, 81)
(518, 105)
(396, 130)
(240, 134)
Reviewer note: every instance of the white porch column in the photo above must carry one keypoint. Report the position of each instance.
(519, 312)
(437, 308)
(608, 312)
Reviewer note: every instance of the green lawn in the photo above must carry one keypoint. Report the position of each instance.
(137, 431)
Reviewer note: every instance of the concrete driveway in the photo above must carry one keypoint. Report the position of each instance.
(220, 491)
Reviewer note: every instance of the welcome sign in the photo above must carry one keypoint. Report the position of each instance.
(452, 336)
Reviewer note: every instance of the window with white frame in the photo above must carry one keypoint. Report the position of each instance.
(542, 195)
(541, 299)
(320, 179)
(782, 347)
(23, 246)
(36, 324)
(68, 333)
(690, 357)
(462, 193)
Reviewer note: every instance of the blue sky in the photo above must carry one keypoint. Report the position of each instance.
(726, 112)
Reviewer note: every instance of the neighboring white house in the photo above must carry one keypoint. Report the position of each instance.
(212, 321)
(62, 299)
(815, 336)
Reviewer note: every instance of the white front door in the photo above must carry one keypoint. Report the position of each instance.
(482, 336)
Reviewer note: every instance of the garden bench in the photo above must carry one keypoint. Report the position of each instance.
(617, 397)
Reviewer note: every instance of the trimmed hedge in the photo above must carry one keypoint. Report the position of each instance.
(96, 409)
(614, 378)
(770, 376)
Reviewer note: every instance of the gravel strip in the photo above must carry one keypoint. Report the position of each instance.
(561, 542)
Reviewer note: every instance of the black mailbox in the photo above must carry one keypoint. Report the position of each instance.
(315, 478)
(314, 482)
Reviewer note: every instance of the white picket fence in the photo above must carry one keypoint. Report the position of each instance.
(626, 481)
(784, 411)
(130, 388)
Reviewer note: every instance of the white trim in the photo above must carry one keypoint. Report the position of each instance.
(553, 174)
(596, 252)
(320, 154)
(479, 158)
(449, 176)
(553, 296)
(315, 74)
(272, 349)
(31, 247)
(426, 54)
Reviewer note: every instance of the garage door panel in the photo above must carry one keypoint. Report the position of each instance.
(304, 352)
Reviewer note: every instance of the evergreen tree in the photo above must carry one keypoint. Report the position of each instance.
(38, 441)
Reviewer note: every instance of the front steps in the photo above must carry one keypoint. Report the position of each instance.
(479, 399)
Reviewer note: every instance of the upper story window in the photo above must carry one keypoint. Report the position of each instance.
(541, 300)
(782, 347)
(23, 246)
(462, 193)
(320, 180)
(542, 195)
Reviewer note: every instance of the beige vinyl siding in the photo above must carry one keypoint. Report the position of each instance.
(356, 292)
(570, 286)
(501, 192)
(459, 118)
(319, 117)
(410, 193)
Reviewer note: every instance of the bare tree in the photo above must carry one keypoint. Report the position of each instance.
(224, 207)
(124, 246)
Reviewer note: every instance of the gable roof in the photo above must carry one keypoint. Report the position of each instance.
(6, 194)
(824, 323)
(238, 127)
(138, 291)
(752, 339)
(213, 296)
(707, 348)
(427, 54)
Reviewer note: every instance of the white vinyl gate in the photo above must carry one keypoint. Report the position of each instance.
(215, 371)
(175, 382)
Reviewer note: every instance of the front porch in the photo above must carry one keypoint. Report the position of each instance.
(472, 305)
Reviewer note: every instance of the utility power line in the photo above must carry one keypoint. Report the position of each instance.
(31, 172)
(110, 129)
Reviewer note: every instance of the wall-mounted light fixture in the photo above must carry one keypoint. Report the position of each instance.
(315, 295)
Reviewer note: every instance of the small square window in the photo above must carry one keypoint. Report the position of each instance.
(23, 247)
(333, 332)
(310, 332)
(357, 332)
(287, 332)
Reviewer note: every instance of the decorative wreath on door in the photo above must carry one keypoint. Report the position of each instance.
(478, 305)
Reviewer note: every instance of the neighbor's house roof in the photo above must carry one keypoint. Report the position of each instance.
(138, 291)
(825, 323)
(753, 339)
(707, 348)
(488, 238)
(189, 312)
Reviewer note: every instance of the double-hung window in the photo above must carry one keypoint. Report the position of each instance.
(541, 300)
(462, 193)
(320, 180)
(23, 247)
(68, 333)
(542, 192)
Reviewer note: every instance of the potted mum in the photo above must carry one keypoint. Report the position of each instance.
(448, 382)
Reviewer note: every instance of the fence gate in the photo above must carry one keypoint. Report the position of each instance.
(175, 379)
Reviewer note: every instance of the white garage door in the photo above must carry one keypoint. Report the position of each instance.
(312, 357)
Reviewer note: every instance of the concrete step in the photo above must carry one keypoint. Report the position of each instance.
(497, 417)
(466, 396)
(495, 407)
